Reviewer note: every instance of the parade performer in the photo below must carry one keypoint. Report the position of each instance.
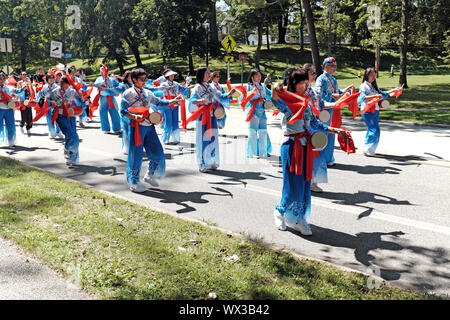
(298, 123)
(63, 99)
(320, 170)
(25, 92)
(81, 90)
(125, 84)
(171, 132)
(253, 101)
(369, 101)
(7, 122)
(106, 102)
(202, 104)
(216, 85)
(328, 90)
(137, 104)
(44, 101)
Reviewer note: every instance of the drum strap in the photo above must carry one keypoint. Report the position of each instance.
(297, 155)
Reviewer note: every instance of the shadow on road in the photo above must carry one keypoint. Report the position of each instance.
(183, 198)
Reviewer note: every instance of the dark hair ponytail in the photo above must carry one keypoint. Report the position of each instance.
(366, 78)
(252, 74)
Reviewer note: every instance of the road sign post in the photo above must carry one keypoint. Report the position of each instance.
(6, 46)
(242, 59)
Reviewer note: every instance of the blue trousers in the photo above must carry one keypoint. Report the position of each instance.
(7, 122)
(104, 110)
(52, 129)
(207, 149)
(171, 132)
(153, 149)
(328, 152)
(72, 141)
(296, 195)
(258, 138)
(373, 131)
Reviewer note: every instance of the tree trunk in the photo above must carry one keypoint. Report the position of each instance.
(302, 24)
(137, 55)
(258, 48)
(330, 24)
(312, 36)
(214, 45)
(191, 65)
(404, 44)
(267, 37)
(281, 30)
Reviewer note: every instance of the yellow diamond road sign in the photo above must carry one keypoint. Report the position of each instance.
(229, 59)
(228, 43)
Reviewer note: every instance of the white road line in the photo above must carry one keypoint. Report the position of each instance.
(314, 201)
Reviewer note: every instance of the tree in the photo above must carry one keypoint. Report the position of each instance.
(404, 44)
(312, 35)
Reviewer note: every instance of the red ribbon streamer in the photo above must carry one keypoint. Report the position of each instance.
(297, 155)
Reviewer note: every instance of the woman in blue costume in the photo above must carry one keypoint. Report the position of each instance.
(124, 85)
(142, 132)
(259, 144)
(107, 87)
(201, 104)
(216, 85)
(320, 170)
(296, 157)
(171, 89)
(82, 119)
(6, 114)
(369, 89)
(328, 90)
(46, 91)
(61, 98)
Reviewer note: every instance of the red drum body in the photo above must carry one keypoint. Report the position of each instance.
(319, 140)
(324, 116)
(219, 113)
(155, 118)
(75, 111)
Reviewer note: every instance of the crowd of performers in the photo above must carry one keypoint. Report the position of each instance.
(311, 120)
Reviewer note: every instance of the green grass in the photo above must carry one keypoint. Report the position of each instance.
(119, 250)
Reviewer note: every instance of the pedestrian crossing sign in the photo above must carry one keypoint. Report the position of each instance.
(229, 59)
(228, 43)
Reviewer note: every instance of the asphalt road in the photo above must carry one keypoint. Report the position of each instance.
(387, 215)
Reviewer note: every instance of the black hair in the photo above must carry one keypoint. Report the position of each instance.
(252, 73)
(63, 80)
(366, 78)
(49, 75)
(296, 77)
(71, 69)
(136, 73)
(201, 74)
(2, 75)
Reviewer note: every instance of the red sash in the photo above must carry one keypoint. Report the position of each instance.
(297, 155)
(144, 112)
(203, 111)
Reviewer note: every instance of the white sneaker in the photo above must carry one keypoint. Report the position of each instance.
(138, 187)
(66, 154)
(367, 154)
(203, 170)
(279, 220)
(302, 227)
(316, 188)
(22, 131)
(70, 163)
(29, 133)
(60, 135)
(151, 180)
(331, 164)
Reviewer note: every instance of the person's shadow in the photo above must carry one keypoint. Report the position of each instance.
(235, 177)
(182, 198)
(362, 243)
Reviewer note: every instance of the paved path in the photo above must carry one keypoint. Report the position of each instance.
(388, 214)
